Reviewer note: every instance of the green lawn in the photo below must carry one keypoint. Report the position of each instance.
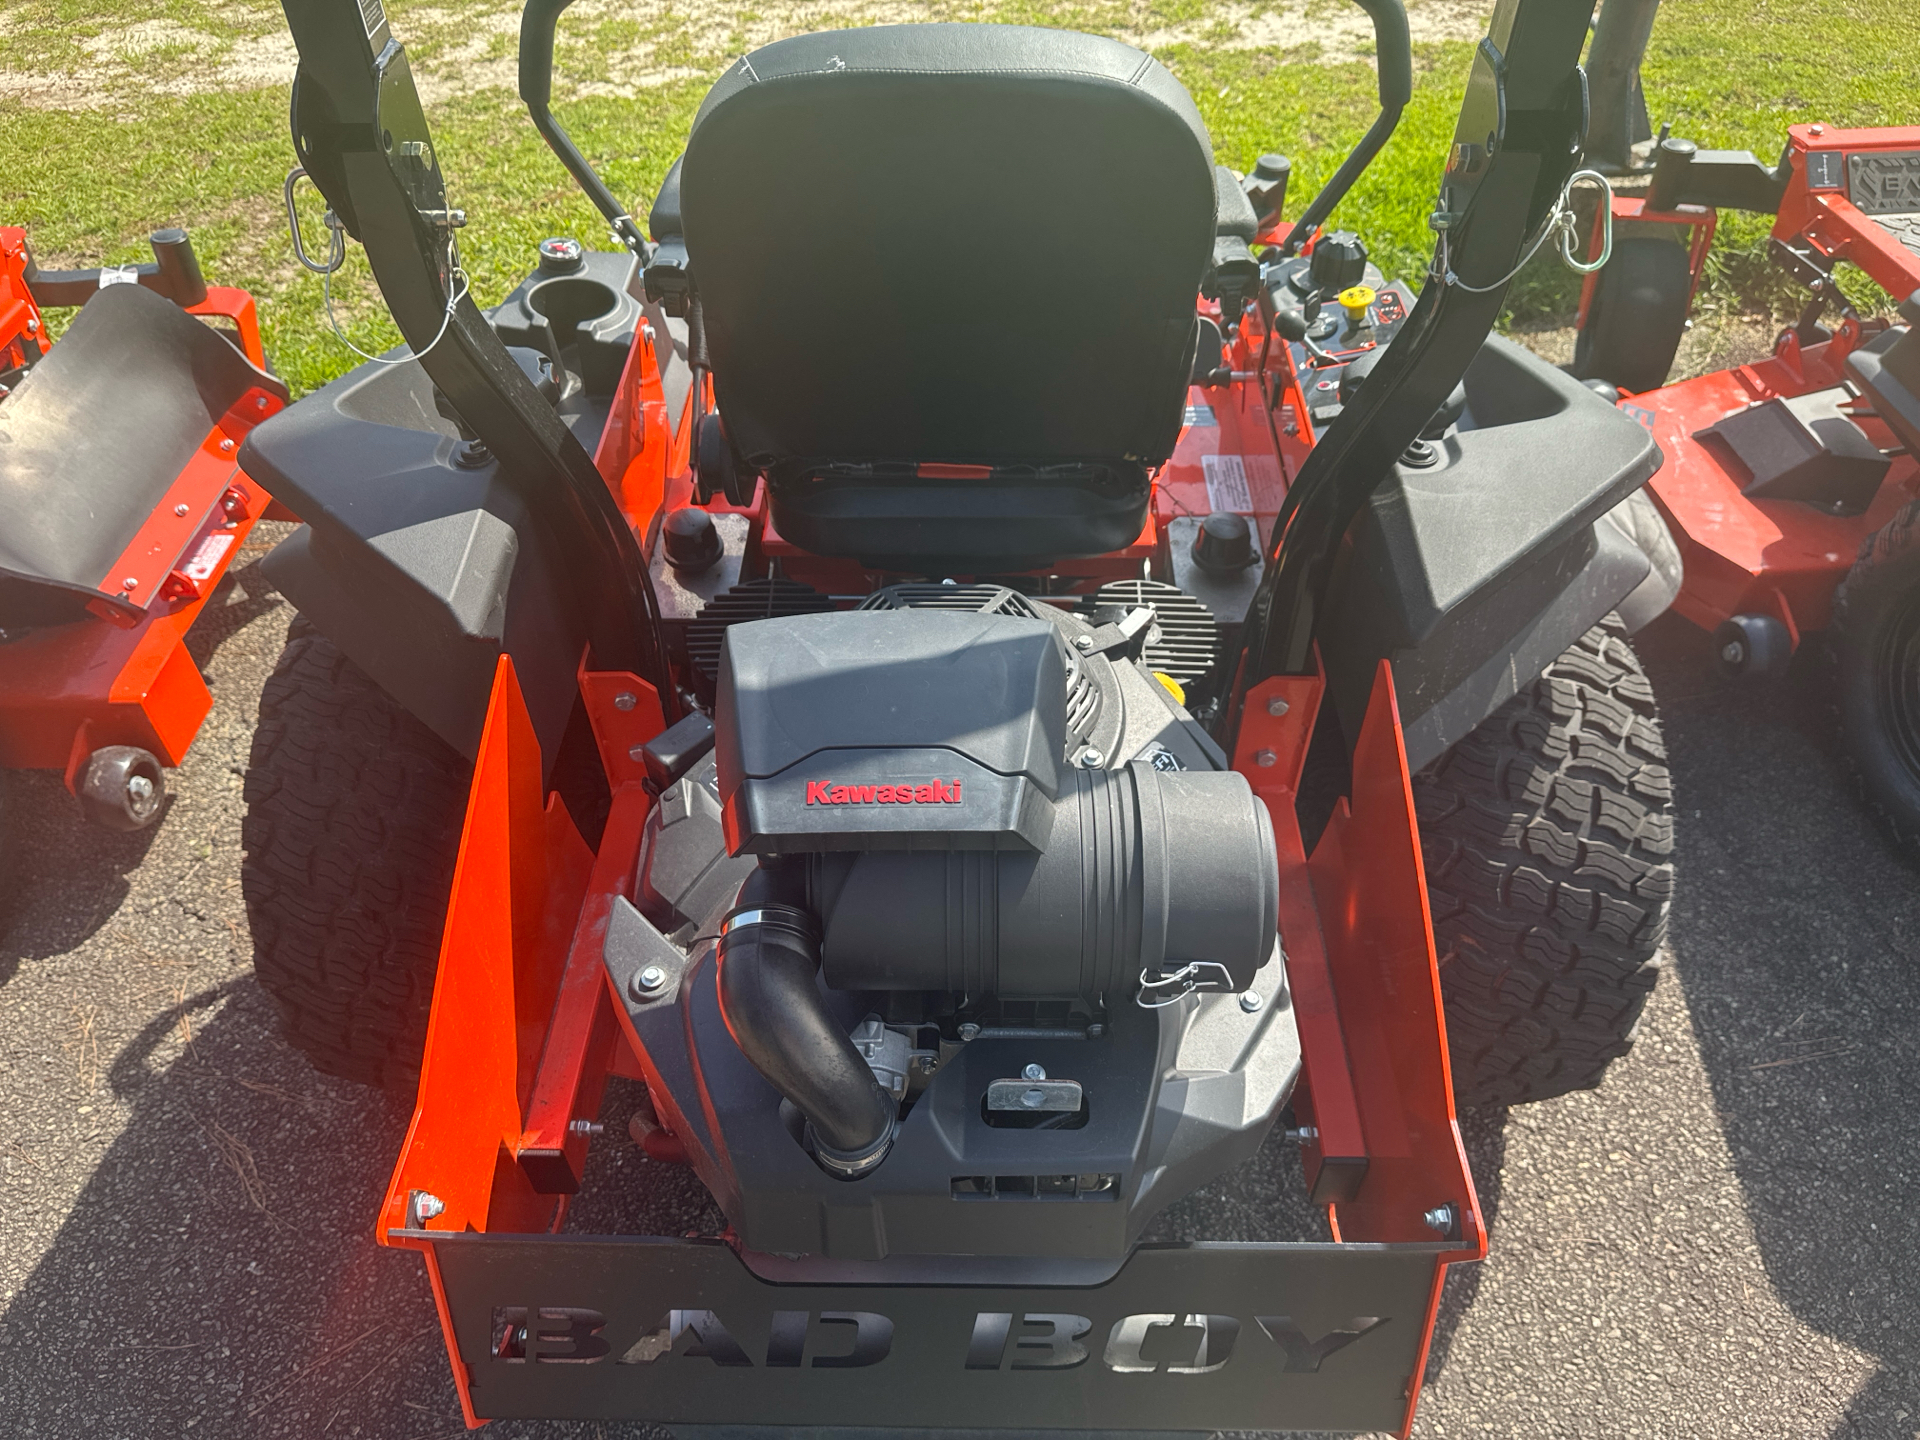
(109, 126)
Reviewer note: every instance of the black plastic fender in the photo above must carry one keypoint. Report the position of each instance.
(1471, 574)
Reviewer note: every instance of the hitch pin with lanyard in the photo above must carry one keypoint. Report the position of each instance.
(1159, 991)
(447, 220)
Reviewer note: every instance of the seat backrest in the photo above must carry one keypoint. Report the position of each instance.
(969, 244)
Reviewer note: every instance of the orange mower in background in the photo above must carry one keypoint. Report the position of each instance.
(1790, 485)
(121, 507)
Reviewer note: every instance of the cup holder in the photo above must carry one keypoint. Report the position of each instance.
(569, 301)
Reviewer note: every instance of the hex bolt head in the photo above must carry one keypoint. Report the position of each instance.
(1440, 1218)
(1250, 1001)
(129, 583)
(139, 787)
(586, 1127)
(650, 981)
(969, 1031)
(180, 509)
(1265, 758)
(1034, 1072)
(427, 1205)
(1733, 652)
(261, 403)
(226, 447)
(625, 700)
(1091, 759)
(1083, 642)
(1276, 706)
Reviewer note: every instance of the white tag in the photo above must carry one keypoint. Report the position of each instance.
(207, 558)
(123, 275)
(1226, 483)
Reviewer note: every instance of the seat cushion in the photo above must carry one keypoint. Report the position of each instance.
(98, 431)
(969, 243)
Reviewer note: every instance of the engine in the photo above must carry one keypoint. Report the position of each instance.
(909, 779)
(985, 916)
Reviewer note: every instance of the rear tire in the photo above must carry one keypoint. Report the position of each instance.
(1637, 317)
(1548, 839)
(1875, 640)
(354, 810)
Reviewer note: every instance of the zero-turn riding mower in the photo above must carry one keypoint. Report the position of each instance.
(121, 506)
(1791, 485)
(976, 663)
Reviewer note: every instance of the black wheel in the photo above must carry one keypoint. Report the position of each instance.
(1875, 639)
(1752, 647)
(1548, 840)
(1637, 317)
(352, 827)
(122, 787)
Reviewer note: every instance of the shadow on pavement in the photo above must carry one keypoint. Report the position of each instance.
(67, 876)
(1799, 928)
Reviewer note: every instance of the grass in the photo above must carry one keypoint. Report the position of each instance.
(134, 148)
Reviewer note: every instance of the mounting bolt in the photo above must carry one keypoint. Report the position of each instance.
(1303, 1135)
(261, 403)
(1032, 1098)
(33, 326)
(1250, 1001)
(1733, 652)
(1277, 707)
(1095, 1031)
(226, 447)
(129, 583)
(1265, 758)
(180, 509)
(586, 1127)
(1083, 642)
(426, 1205)
(1440, 1219)
(625, 700)
(1091, 759)
(1817, 129)
(969, 1031)
(649, 982)
(1034, 1072)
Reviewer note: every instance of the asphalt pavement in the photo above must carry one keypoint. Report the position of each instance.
(1721, 1241)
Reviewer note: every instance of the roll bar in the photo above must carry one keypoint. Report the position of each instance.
(537, 23)
(1393, 52)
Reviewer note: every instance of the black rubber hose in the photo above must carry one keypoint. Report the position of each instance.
(769, 956)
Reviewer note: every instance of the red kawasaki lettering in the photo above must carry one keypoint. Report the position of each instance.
(825, 792)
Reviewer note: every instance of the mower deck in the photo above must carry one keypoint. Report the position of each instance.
(114, 671)
(1749, 555)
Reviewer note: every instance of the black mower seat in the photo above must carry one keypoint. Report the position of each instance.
(94, 437)
(949, 245)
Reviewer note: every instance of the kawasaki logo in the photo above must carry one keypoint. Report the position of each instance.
(937, 792)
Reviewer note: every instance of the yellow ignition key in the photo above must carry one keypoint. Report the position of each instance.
(1354, 300)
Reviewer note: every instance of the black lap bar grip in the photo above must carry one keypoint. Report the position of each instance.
(769, 956)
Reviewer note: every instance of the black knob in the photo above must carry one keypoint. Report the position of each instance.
(1223, 544)
(1266, 187)
(1339, 260)
(561, 256)
(691, 540)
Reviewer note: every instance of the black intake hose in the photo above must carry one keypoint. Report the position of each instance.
(769, 957)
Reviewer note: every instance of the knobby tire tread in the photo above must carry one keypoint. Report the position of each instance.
(1547, 835)
(351, 831)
